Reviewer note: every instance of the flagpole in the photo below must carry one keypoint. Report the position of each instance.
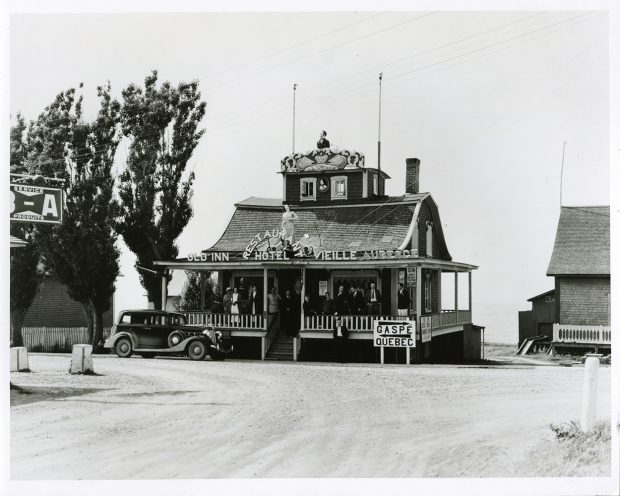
(379, 140)
(294, 94)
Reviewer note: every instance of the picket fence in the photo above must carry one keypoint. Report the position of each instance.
(56, 339)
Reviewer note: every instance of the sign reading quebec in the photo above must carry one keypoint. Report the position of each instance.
(394, 333)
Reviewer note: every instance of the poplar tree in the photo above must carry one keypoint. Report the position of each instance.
(81, 251)
(26, 273)
(155, 188)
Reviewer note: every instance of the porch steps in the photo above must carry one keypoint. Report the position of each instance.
(281, 348)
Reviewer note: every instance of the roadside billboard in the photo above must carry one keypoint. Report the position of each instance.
(39, 204)
(394, 333)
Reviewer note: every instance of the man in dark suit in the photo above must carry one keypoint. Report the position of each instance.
(373, 300)
(341, 302)
(328, 305)
(358, 302)
(286, 312)
(403, 300)
(341, 333)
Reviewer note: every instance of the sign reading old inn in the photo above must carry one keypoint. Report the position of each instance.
(336, 245)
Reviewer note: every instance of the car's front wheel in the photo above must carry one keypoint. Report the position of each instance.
(123, 348)
(197, 350)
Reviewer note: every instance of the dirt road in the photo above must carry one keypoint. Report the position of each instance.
(174, 418)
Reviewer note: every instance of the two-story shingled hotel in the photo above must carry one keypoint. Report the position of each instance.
(334, 226)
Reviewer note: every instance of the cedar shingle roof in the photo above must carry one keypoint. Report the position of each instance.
(375, 227)
(581, 242)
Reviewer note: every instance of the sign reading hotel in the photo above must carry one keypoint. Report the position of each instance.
(35, 204)
(394, 333)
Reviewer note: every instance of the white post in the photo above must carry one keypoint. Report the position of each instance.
(19, 359)
(590, 388)
(82, 359)
(407, 355)
(263, 350)
(295, 349)
(382, 355)
(439, 272)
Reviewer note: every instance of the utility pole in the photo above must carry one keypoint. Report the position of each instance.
(294, 94)
(379, 140)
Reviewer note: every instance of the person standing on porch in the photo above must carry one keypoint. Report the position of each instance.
(273, 307)
(359, 305)
(328, 305)
(341, 333)
(341, 302)
(216, 301)
(234, 306)
(227, 300)
(373, 299)
(255, 302)
(403, 300)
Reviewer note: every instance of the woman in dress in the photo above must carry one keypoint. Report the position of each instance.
(234, 306)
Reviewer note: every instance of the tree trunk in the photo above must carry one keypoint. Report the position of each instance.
(17, 321)
(97, 341)
(89, 313)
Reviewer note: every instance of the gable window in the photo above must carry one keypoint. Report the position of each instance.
(307, 189)
(339, 188)
(375, 184)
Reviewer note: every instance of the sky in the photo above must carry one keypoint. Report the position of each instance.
(484, 99)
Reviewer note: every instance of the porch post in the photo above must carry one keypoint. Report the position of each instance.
(418, 307)
(456, 294)
(303, 296)
(164, 290)
(440, 272)
(202, 291)
(265, 308)
(470, 309)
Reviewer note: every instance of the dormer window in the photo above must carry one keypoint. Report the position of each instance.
(429, 239)
(308, 189)
(339, 188)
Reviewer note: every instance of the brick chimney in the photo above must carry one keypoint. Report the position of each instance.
(412, 176)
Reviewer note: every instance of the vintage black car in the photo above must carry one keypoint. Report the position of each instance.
(155, 332)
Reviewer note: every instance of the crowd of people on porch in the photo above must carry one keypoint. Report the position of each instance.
(355, 300)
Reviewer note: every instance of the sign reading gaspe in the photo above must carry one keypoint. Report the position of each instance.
(394, 333)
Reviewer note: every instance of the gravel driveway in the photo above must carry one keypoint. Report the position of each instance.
(173, 418)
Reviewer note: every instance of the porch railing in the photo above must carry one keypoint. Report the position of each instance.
(582, 334)
(354, 323)
(243, 321)
(449, 317)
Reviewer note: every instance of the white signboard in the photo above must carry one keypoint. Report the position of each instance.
(425, 326)
(394, 333)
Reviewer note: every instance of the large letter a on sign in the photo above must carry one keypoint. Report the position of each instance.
(49, 206)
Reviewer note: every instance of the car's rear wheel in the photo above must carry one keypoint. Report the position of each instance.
(147, 355)
(123, 348)
(175, 338)
(197, 350)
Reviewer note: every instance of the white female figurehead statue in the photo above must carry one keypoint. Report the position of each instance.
(288, 226)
